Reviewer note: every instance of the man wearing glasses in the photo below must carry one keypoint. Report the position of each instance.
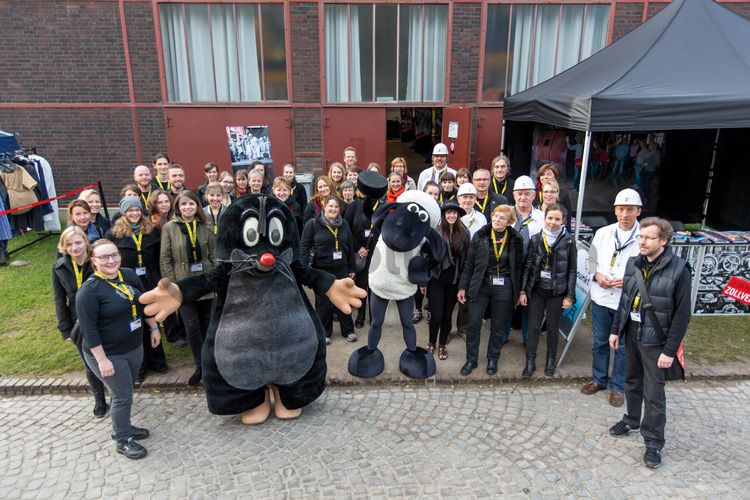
(610, 250)
(486, 200)
(653, 334)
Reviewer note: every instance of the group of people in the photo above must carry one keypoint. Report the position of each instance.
(509, 252)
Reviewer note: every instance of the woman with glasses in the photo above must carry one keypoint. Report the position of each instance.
(399, 165)
(112, 320)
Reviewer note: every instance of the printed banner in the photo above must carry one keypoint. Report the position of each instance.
(574, 314)
(738, 289)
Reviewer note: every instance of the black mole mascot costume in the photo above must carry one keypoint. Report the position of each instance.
(407, 230)
(263, 330)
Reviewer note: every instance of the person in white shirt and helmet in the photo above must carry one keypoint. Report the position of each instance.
(467, 198)
(610, 250)
(438, 168)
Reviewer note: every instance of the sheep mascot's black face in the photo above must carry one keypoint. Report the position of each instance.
(408, 246)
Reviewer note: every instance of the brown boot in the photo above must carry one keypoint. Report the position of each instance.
(281, 411)
(260, 413)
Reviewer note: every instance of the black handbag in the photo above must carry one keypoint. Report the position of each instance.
(677, 370)
(75, 333)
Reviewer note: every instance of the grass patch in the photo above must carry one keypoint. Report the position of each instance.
(30, 342)
(717, 339)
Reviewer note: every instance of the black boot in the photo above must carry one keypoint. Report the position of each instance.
(100, 406)
(195, 378)
(530, 366)
(549, 369)
(360, 321)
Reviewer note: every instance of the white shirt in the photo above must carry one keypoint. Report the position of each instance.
(601, 254)
(534, 223)
(474, 222)
(431, 174)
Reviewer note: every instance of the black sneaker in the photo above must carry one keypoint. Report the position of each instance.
(622, 428)
(101, 408)
(652, 458)
(137, 433)
(131, 449)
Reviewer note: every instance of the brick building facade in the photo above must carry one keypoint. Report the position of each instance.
(84, 81)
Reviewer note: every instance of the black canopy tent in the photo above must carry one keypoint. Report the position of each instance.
(686, 68)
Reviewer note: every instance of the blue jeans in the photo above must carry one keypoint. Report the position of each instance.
(617, 171)
(602, 318)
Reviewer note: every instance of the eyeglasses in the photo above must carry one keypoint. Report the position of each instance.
(549, 192)
(647, 238)
(106, 258)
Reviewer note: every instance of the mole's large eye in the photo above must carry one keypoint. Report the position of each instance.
(250, 232)
(412, 207)
(275, 231)
(423, 216)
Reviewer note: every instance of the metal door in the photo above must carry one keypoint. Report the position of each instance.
(196, 136)
(489, 135)
(362, 128)
(457, 135)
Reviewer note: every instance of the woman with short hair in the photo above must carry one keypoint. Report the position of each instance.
(549, 171)
(399, 165)
(241, 181)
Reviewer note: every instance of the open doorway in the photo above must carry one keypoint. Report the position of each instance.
(411, 134)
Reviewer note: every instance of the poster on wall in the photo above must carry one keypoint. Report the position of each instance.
(248, 144)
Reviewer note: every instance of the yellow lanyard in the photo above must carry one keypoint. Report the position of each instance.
(122, 287)
(546, 244)
(215, 219)
(498, 253)
(637, 300)
(138, 241)
(226, 201)
(440, 177)
(145, 198)
(482, 207)
(293, 188)
(161, 186)
(193, 235)
(335, 233)
(78, 273)
(374, 207)
(541, 200)
(505, 185)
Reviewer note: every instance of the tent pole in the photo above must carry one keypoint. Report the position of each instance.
(710, 178)
(502, 138)
(582, 182)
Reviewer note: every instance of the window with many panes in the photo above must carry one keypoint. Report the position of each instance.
(385, 52)
(224, 52)
(528, 44)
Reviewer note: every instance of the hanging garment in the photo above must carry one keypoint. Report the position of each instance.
(5, 232)
(51, 220)
(20, 185)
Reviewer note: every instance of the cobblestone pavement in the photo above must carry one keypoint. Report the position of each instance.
(441, 441)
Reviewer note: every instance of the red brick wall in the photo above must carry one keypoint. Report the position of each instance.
(305, 48)
(62, 52)
(144, 60)
(627, 17)
(465, 52)
(654, 8)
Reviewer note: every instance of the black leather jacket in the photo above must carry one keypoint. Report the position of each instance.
(564, 265)
(478, 258)
(668, 285)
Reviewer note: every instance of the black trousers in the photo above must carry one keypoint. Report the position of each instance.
(153, 357)
(540, 304)
(500, 299)
(361, 279)
(174, 329)
(442, 295)
(196, 316)
(418, 300)
(644, 388)
(325, 310)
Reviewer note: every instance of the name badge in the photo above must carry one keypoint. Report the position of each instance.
(547, 275)
(140, 271)
(367, 233)
(498, 281)
(635, 316)
(338, 255)
(196, 267)
(135, 324)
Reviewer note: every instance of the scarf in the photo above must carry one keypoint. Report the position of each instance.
(553, 236)
(331, 223)
(391, 197)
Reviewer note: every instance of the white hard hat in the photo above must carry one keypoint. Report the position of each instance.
(440, 149)
(523, 182)
(467, 188)
(628, 197)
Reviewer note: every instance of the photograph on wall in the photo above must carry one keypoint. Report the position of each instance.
(248, 144)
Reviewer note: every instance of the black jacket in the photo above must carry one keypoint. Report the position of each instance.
(313, 209)
(102, 223)
(458, 261)
(150, 250)
(318, 243)
(564, 265)
(299, 194)
(668, 285)
(478, 258)
(359, 224)
(497, 187)
(64, 289)
(495, 200)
